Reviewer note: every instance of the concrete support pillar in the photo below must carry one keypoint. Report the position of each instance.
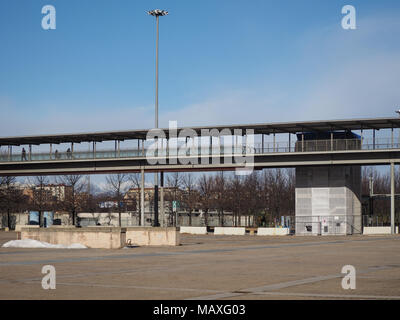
(167, 150)
(373, 139)
(274, 143)
(392, 138)
(328, 200)
(30, 152)
(142, 198)
(392, 208)
(262, 143)
(162, 199)
(156, 220)
(236, 144)
(51, 151)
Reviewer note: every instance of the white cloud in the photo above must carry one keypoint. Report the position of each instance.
(342, 74)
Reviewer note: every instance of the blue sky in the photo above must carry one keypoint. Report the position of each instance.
(225, 61)
(220, 62)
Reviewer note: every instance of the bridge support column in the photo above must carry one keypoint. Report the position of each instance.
(162, 224)
(142, 198)
(328, 200)
(392, 208)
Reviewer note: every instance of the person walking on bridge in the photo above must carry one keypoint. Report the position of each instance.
(23, 155)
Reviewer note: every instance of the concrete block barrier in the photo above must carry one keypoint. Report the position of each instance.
(273, 231)
(229, 231)
(99, 237)
(193, 230)
(378, 230)
(151, 236)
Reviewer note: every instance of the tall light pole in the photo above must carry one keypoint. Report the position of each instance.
(156, 13)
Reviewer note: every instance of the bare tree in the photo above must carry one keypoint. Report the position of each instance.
(116, 184)
(11, 199)
(235, 201)
(220, 191)
(379, 206)
(190, 195)
(251, 195)
(71, 200)
(174, 181)
(206, 195)
(41, 198)
(136, 180)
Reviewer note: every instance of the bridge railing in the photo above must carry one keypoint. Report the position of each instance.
(257, 148)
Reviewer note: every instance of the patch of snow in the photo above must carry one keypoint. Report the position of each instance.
(29, 243)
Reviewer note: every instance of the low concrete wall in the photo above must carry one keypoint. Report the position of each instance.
(150, 236)
(18, 227)
(273, 231)
(379, 230)
(193, 230)
(99, 237)
(229, 231)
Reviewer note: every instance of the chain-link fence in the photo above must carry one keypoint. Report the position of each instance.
(379, 220)
(328, 225)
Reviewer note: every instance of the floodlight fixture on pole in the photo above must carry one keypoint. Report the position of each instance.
(156, 13)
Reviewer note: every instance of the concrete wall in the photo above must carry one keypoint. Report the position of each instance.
(214, 221)
(379, 230)
(273, 231)
(150, 236)
(193, 230)
(18, 227)
(325, 195)
(229, 231)
(95, 237)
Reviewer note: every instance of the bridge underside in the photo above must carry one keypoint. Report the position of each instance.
(209, 163)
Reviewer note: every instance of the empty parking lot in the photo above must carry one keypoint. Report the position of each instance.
(209, 267)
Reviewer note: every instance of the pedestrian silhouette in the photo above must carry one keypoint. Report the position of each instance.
(23, 155)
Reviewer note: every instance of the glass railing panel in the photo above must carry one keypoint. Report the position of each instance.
(309, 146)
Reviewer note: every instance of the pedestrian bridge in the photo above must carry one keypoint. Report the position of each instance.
(206, 148)
(327, 155)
